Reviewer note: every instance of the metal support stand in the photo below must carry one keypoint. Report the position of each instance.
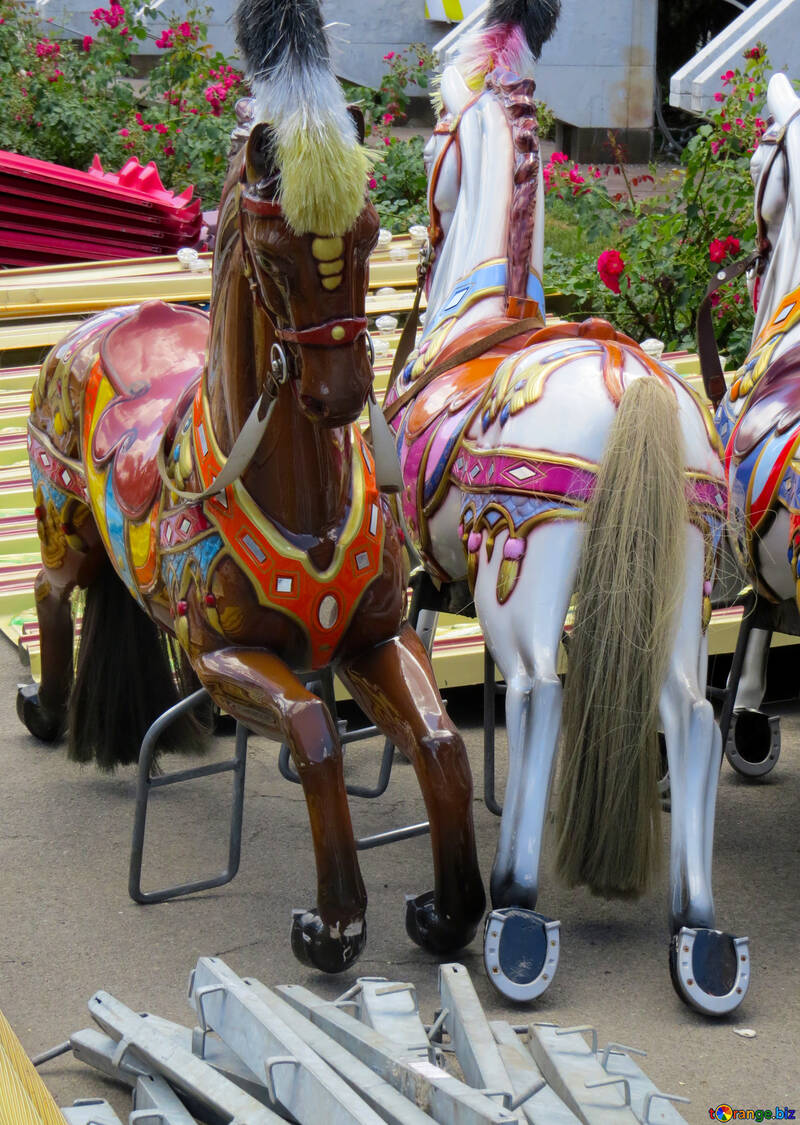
(146, 781)
(321, 683)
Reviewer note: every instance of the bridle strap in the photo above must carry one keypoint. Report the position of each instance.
(332, 334)
(707, 350)
(240, 456)
(463, 355)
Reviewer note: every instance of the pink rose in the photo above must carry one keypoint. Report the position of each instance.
(373, 183)
(389, 57)
(718, 97)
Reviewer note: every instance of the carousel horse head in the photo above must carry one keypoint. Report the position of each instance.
(775, 170)
(482, 161)
(305, 224)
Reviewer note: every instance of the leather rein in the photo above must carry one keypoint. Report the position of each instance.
(707, 350)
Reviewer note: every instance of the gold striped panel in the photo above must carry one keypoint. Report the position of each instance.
(28, 1093)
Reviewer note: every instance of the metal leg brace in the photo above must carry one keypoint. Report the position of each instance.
(146, 781)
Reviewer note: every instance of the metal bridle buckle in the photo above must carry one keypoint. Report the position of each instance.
(277, 375)
(279, 368)
(371, 349)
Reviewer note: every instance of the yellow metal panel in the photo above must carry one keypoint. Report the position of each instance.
(27, 1099)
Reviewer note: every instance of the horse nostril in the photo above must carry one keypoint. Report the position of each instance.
(314, 408)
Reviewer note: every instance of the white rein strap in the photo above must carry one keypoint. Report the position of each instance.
(246, 443)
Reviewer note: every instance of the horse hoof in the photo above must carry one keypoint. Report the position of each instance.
(520, 952)
(321, 947)
(426, 926)
(709, 970)
(48, 726)
(754, 742)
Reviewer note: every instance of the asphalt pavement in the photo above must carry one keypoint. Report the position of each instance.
(68, 928)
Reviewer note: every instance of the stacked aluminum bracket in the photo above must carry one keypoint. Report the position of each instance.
(258, 1057)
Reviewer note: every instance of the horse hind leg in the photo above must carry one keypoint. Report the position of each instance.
(710, 970)
(521, 946)
(43, 708)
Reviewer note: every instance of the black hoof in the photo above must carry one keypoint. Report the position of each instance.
(316, 945)
(520, 952)
(709, 970)
(426, 926)
(48, 726)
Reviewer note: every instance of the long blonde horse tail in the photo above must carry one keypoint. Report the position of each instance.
(628, 587)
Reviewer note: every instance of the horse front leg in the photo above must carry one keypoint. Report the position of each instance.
(394, 685)
(260, 691)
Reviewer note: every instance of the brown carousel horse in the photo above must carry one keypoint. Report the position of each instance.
(215, 474)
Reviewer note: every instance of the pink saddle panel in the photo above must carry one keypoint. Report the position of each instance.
(153, 359)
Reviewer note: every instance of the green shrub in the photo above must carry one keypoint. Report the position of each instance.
(658, 254)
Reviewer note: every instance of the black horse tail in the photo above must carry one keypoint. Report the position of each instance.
(128, 673)
(537, 19)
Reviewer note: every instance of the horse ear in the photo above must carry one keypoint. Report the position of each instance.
(260, 156)
(358, 117)
(781, 98)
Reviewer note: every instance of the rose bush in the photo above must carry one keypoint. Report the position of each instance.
(669, 243)
(66, 99)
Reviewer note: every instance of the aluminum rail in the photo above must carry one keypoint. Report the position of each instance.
(647, 1102)
(544, 1108)
(181, 1068)
(485, 1063)
(156, 1103)
(376, 1092)
(99, 1050)
(572, 1070)
(392, 1009)
(445, 1098)
(90, 1111)
(299, 1081)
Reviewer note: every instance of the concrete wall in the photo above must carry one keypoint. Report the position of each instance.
(776, 23)
(596, 73)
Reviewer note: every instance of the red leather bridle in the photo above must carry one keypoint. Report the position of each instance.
(329, 334)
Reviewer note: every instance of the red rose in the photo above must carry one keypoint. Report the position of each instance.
(717, 251)
(610, 266)
(732, 245)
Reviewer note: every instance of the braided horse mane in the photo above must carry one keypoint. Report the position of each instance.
(515, 94)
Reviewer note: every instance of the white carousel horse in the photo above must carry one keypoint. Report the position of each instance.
(541, 463)
(759, 422)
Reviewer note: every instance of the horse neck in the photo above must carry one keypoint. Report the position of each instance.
(500, 185)
(300, 474)
(782, 275)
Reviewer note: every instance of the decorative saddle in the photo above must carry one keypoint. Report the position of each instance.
(153, 360)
